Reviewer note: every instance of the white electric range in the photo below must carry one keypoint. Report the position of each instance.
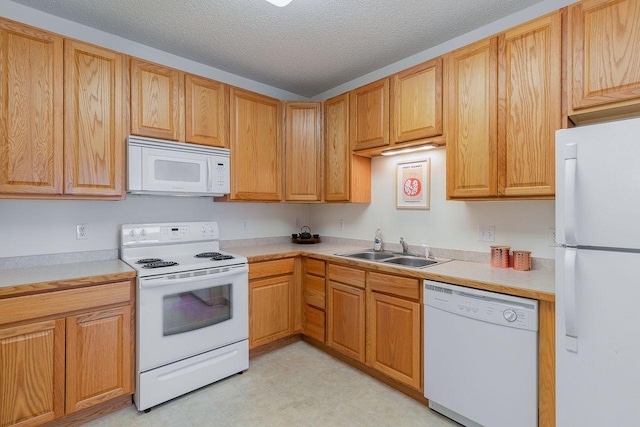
(192, 315)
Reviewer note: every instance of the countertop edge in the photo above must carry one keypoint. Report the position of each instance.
(410, 272)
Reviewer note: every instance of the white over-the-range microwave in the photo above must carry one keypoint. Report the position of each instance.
(166, 168)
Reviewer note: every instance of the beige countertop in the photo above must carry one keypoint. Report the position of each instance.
(31, 279)
(538, 284)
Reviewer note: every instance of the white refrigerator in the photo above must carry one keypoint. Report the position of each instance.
(598, 275)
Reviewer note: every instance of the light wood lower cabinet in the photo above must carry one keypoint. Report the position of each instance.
(98, 357)
(394, 330)
(314, 299)
(273, 301)
(59, 364)
(32, 373)
(270, 312)
(346, 313)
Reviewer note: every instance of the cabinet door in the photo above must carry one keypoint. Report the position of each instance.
(270, 309)
(394, 338)
(31, 129)
(345, 320)
(255, 143)
(605, 49)
(207, 112)
(472, 135)
(416, 102)
(94, 120)
(337, 152)
(303, 151)
(32, 373)
(530, 102)
(369, 115)
(99, 357)
(157, 101)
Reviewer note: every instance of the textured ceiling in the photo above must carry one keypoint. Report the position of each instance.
(306, 48)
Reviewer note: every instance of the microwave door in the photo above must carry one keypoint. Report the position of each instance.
(177, 172)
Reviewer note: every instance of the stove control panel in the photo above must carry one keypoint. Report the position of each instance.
(153, 234)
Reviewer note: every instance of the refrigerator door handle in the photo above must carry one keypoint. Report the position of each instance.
(570, 170)
(570, 321)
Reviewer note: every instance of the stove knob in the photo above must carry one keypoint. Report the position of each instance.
(510, 315)
(211, 229)
(203, 229)
(143, 232)
(132, 233)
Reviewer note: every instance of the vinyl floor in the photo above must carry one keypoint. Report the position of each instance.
(297, 385)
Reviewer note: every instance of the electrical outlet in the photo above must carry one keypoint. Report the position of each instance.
(82, 231)
(244, 225)
(297, 223)
(551, 236)
(341, 225)
(486, 233)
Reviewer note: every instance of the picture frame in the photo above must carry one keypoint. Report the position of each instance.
(413, 184)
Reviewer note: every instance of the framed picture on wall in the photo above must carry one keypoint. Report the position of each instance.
(412, 185)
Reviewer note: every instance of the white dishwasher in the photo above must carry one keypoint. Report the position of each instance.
(480, 356)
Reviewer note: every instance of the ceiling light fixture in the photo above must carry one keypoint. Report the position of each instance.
(429, 146)
(280, 3)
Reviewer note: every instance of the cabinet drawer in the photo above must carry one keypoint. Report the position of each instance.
(314, 291)
(314, 323)
(315, 267)
(346, 275)
(60, 302)
(400, 286)
(270, 268)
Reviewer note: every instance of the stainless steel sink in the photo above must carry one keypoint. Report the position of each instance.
(388, 257)
(411, 261)
(371, 256)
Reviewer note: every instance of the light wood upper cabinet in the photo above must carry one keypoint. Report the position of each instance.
(505, 104)
(256, 162)
(207, 112)
(472, 137)
(157, 101)
(347, 177)
(416, 102)
(529, 113)
(604, 57)
(94, 120)
(31, 112)
(394, 332)
(32, 373)
(99, 363)
(303, 151)
(369, 115)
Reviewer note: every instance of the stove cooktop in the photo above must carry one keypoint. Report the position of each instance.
(167, 248)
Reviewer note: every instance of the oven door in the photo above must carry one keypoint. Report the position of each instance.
(184, 314)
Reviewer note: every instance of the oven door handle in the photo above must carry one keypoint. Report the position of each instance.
(154, 282)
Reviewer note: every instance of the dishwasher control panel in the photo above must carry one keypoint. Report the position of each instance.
(507, 310)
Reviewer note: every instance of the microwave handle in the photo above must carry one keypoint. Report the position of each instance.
(209, 174)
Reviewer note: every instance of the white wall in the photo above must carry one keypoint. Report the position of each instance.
(34, 227)
(447, 224)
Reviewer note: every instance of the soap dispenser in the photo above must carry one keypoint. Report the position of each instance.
(377, 241)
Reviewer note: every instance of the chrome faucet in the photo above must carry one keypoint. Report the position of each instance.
(405, 247)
